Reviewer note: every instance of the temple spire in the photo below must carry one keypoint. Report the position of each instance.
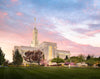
(35, 23)
(34, 42)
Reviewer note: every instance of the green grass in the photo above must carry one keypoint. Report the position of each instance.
(48, 73)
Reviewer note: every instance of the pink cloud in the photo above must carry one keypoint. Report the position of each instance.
(91, 33)
(19, 14)
(52, 32)
(77, 49)
(14, 0)
(3, 14)
(3, 17)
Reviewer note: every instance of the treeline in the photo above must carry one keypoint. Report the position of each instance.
(90, 60)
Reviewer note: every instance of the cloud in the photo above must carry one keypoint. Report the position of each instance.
(92, 33)
(95, 17)
(3, 14)
(14, 0)
(19, 13)
(87, 32)
(80, 30)
(94, 26)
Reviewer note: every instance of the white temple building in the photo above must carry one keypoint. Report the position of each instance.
(49, 49)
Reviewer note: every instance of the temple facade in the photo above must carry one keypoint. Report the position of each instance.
(49, 49)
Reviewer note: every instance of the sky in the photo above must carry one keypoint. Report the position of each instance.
(73, 24)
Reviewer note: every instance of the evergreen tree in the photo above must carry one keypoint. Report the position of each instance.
(99, 57)
(88, 57)
(2, 59)
(17, 58)
(66, 57)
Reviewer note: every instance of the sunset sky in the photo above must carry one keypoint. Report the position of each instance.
(73, 24)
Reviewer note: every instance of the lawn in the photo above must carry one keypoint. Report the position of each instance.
(48, 73)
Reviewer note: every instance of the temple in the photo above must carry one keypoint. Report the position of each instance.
(49, 49)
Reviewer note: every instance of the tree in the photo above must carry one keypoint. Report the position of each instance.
(33, 56)
(57, 60)
(6, 63)
(66, 57)
(39, 56)
(17, 58)
(81, 58)
(74, 59)
(88, 57)
(91, 61)
(99, 58)
(2, 59)
(77, 59)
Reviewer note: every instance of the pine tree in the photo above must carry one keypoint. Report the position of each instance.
(17, 58)
(2, 59)
(66, 57)
(88, 57)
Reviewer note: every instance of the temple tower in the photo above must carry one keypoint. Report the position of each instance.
(34, 42)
